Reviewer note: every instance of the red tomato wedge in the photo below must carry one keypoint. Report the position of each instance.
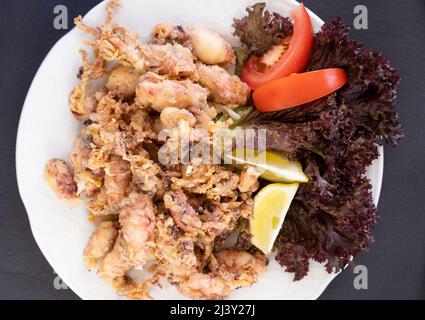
(293, 60)
(297, 89)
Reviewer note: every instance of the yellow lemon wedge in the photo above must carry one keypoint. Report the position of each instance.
(273, 166)
(270, 207)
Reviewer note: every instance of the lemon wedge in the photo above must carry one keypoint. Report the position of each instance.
(274, 167)
(270, 207)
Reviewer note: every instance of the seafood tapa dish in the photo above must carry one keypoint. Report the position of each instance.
(209, 228)
(178, 214)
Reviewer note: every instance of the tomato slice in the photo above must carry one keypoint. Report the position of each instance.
(298, 88)
(293, 60)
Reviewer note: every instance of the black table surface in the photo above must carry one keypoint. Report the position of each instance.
(395, 262)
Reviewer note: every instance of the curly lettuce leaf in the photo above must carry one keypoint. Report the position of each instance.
(241, 56)
(335, 139)
(258, 31)
(370, 94)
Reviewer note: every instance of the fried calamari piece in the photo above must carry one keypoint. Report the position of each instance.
(213, 181)
(98, 205)
(165, 33)
(210, 48)
(89, 181)
(157, 92)
(122, 81)
(108, 109)
(139, 291)
(178, 134)
(146, 175)
(118, 44)
(172, 60)
(203, 220)
(137, 218)
(81, 103)
(81, 151)
(117, 179)
(101, 242)
(106, 140)
(174, 117)
(205, 286)
(224, 88)
(134, 245)
(182, 212)
(133, 133)
(59, 177)
(175, 253)
(233, 269)
(141, 125)
(249, 179)
(240, 268)
(115, 265)
(207, 46)
(114, 43)
(220, 218)
(205, 118)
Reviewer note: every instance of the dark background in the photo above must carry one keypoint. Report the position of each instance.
(396, 262)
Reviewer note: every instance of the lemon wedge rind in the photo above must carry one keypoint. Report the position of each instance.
(271, 205)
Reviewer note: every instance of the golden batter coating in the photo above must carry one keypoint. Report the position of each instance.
(158, 92)
(206, 45)
(171, 216)
(117, 179)
(224, 88)
(175, 253)
(234, 269)
(134, 245)
(211, 180)
(59, 178)
(182, 212)
(101, 242)
(172, 60)
(122, 81)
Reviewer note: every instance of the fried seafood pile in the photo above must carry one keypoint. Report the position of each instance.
(174, 216)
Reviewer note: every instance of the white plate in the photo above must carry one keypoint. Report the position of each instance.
(47, 130)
